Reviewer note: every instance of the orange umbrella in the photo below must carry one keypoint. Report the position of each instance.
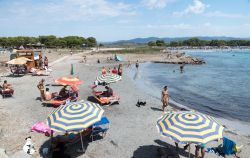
(69, 81)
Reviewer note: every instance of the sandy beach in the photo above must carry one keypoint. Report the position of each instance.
(132, 132)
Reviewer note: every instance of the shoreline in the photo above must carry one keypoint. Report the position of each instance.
(234, 125)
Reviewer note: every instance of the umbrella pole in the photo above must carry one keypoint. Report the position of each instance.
(81, 140)
(51, 139)
(189, 150)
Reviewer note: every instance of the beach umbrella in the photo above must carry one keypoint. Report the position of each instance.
(108, 78)
(72, 70)
(18, 61)
(189, 127)
(69, 81)
(75, 116)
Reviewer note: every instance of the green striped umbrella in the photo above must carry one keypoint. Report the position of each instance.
(108, 78)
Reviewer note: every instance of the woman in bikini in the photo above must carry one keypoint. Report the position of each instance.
(164, 97)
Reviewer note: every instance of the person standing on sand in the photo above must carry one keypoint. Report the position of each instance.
(164, 98)
(120, 70)
(46, 63)
(40, 86)
(129, 63)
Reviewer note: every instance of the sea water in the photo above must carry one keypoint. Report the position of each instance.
(220, 88)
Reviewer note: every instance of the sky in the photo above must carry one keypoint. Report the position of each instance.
(111, 20)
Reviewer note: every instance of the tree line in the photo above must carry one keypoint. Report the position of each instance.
(49, 41)
(196, 42)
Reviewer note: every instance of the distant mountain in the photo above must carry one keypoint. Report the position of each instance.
(169, 39)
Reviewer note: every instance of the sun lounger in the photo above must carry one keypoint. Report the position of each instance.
(6, 93)
(106, 100)
(56, 102)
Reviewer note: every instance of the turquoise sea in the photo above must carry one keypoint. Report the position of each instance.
(221, 87)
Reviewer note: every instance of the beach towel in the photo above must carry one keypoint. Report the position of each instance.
(41, 127)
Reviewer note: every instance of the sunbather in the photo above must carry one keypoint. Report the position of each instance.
(114, 70)
(64, 92)
(104, 71)
(6, 89)
(6, 86)
(48, 95)
(108, 92)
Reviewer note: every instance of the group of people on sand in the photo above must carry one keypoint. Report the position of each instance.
(117, 71)
(64, 93)
(43, 64)
(165, 101)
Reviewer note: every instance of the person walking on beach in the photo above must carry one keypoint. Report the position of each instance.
(46, 63)
(137, 64)
(40, 86)
(164, 98)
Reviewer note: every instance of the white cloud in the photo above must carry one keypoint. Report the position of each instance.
(197, 7)
(227, 15)
(156, 4)
(72, 10)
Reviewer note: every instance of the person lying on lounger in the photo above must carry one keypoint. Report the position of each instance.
(64, 92)
(48, 95)
(108, 92)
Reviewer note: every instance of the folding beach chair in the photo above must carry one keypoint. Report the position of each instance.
(228, 147)
(100, 128)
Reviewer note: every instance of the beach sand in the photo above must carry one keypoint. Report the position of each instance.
(132, 132)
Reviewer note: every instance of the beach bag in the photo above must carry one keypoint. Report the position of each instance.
(41, 127)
